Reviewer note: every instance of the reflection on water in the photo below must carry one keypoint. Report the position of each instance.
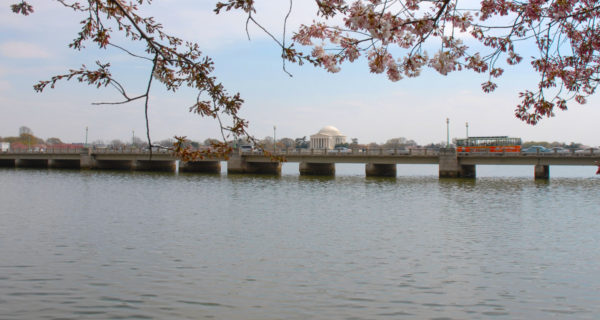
(114, 245)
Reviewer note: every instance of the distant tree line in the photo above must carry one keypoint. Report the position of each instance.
(27, 138)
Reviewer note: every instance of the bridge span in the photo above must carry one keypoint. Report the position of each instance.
(378, 162)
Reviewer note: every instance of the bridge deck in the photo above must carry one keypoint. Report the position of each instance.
(379, 156)
(569, 159)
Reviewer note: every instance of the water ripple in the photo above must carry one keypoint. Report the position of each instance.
(124, 245)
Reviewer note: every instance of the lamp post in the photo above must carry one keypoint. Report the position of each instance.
(86, 136)
(132, 138)
(467, 125)
(447, 132)
(274, 137)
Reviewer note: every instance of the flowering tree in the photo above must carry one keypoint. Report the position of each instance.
(483, 37)
(171, 61)
(393, 35)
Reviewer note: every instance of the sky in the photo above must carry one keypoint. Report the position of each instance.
(361, 105)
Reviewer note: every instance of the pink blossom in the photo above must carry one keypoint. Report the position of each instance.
(394, 33)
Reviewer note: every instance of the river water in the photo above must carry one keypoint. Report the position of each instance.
(132, 245)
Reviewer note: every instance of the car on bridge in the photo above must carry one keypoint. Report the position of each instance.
(560, 150)
(590, 151)
(398, 151)
(247, 148)
(536, 150)
(340, 150)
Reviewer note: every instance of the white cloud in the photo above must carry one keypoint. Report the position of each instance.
(23, 50)
(4, 86)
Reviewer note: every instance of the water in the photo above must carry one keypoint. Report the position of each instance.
(131, 245)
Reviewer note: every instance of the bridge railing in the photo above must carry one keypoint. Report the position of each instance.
(350, 152)
(51, 150)
(571, 153)
(45, 150)
(128, 150)
(300, 151)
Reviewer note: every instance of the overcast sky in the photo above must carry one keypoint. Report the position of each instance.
(361, 105)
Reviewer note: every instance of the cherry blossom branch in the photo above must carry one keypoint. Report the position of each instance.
(129, 52)
(174, 63)
(146, 100)
(284, 37)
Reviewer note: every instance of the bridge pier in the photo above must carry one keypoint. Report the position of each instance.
(542, 172)
(238, 164)
(450, 167)
(317, 169)
(87, 162)
(380, 170)
(154, 165)
(200, 166)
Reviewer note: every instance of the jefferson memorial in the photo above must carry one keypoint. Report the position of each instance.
(327, 138)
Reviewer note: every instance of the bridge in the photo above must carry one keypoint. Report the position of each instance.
(378, 162)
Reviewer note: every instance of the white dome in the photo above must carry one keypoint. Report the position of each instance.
(330, 131)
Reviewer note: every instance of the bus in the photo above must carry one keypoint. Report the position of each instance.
(488, 144)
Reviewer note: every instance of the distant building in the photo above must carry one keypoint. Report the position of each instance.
(18, 146)
(327, 138)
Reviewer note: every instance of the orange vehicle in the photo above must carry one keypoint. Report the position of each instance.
(488, 144)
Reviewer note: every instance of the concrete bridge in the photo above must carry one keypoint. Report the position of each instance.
(379, 162)
(118, 159)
